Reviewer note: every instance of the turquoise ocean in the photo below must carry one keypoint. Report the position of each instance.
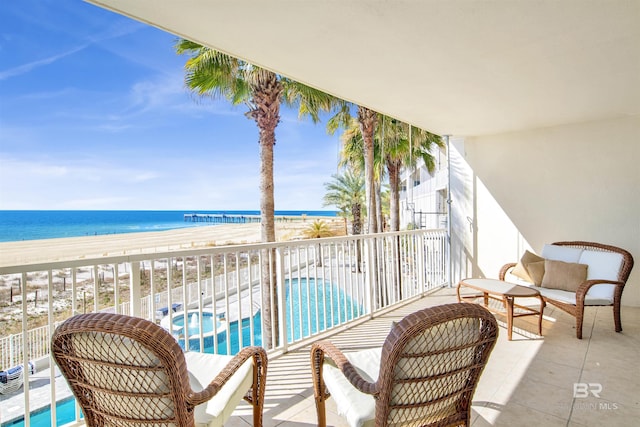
(41, 224)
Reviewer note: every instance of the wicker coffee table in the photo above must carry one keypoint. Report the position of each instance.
(506, 293)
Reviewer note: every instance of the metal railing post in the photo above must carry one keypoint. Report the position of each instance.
(282, 299)
(368, 276)
(135, 290)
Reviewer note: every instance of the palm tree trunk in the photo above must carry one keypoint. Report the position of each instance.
(267, 91)
(267, 203)
(356, 228)
(393, 168)
(367, 120)
(356, 225)
(267, 232)
(394, 195)
(380, 218)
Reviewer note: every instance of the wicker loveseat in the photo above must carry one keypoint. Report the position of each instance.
(606, 270)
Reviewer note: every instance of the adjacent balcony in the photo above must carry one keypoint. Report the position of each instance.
(346, 289)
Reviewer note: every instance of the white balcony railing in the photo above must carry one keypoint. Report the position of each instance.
(316, 285)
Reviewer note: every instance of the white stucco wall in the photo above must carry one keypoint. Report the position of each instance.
(525, 189)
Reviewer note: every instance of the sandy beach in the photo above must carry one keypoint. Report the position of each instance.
(70, 248)
(31, 252)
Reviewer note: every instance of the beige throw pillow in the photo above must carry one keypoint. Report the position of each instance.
(521, 270)
(536, 271)
(563, 275)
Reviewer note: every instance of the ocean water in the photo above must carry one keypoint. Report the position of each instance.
(35, 225)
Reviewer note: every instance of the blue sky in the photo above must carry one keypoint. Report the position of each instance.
(94, 114)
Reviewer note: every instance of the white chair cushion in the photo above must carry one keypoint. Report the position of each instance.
(359, 409)
(602, 265)
(570, 297)
(511, 278)
(203, 368)
(561, 253)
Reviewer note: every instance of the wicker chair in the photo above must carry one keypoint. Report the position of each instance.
(575, 305)
(425, 373)
(127, 371)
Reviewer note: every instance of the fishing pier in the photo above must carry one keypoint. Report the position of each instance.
(221, 218)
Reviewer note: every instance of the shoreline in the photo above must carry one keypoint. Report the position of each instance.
(72, 248)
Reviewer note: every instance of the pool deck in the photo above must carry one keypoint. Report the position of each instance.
(530, 378)
(12, 406)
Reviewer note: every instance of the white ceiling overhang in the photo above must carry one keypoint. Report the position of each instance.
(462, 67)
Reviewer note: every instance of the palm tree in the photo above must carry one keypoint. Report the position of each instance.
(317, 230)
(403, 146)
(367, 121)
(352, 156)
(346, 192)
(212, 73)
(397, 145)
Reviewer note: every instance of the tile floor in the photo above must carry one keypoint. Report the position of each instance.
(529, 378)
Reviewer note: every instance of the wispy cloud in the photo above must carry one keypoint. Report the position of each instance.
(150, 94)
(146, 176)
(119, 29)
(25, 68)
(123, 27)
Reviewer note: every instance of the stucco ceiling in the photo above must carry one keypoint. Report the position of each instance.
(460, 67)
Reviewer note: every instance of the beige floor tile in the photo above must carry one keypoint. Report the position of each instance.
(333, 419)
(556, 374)
(601, 412)
(237, 421)
(302, 413)
(515, 415)
(566, 350)
(285, 408)
(615, 385)
(543, 397)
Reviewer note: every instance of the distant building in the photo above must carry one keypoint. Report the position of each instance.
(423, 196)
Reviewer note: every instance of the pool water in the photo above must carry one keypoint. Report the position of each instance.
(65, 413)
(234, 341)
(310, 308)
(307, 314)
(194, 323)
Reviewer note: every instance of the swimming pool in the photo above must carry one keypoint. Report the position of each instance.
(310, 308)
